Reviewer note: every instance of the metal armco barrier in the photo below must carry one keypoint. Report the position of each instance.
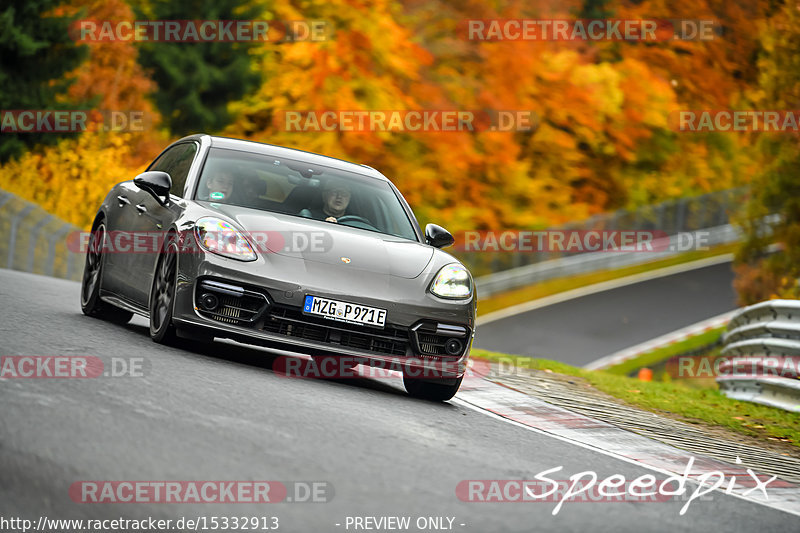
(596, 261)
(762, 345)
(679, 216)
(32, 240)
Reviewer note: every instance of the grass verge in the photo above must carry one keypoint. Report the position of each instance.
(704, 406)
(554, 286)
(700, 344)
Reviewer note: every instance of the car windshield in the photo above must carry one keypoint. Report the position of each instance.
(297, 188)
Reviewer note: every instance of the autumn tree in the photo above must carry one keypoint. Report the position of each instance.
(776, 188)
(112, 79)
(89, 162)
(601, 139)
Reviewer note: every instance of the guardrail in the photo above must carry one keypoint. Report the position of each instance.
(762, 346)
(681, 215)
(596, 261)
(35, 240)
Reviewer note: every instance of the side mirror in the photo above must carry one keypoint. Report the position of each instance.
(155, 182)
(437, 236)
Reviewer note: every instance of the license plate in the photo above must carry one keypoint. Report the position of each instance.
(344, 311)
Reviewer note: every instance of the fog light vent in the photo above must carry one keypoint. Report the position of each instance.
(434, 339)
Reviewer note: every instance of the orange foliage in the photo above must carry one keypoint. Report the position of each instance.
(601, 140)
(71, 178)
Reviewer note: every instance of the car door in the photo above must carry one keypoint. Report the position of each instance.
(120, 223)
(151, 219)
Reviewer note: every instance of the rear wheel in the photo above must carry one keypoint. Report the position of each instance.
(91, 304)
(162, 295)
(439, 390)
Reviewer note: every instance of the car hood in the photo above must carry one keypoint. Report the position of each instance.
(327, 243)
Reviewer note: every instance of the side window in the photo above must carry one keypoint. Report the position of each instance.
(176, 162)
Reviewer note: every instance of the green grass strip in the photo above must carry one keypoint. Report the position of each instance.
(695, 405)
(692, 345)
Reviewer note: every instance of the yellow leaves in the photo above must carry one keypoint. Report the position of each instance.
(603, 141)
(604, 82)
(71, 179)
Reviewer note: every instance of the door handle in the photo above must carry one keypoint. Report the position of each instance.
(141, 208)
(123, 201)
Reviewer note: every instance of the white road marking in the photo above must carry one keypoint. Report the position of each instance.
(601, 287)
(669, 338)
(497, 401)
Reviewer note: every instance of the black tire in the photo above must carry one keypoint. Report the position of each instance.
(162, 295)
(434, 390)
(91, 304)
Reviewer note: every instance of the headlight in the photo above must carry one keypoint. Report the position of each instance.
(452, 281)
(220, 237)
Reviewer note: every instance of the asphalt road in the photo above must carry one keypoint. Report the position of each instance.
(584, 329)
(221, 413)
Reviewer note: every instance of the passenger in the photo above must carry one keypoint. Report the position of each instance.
(220, 186)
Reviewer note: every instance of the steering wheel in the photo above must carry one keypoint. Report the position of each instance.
(354, 218)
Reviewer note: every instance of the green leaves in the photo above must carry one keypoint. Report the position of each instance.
(35, 54)
(197, 80)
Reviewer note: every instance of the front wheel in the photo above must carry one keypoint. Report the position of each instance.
(439, 390)
(162, 296)
(91, 304)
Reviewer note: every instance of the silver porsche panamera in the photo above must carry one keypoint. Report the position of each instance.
(224, 238)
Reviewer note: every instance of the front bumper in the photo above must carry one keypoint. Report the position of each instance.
(266, 310)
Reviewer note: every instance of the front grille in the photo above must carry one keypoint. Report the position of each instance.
(431, 344)
(229, 310)
(293, 323)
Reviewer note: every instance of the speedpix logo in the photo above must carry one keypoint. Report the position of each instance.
(587, 487)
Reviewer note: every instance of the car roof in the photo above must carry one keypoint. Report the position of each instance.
(290, 153)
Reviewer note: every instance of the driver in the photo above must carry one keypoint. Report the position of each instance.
(335, 199)
(249, 190)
